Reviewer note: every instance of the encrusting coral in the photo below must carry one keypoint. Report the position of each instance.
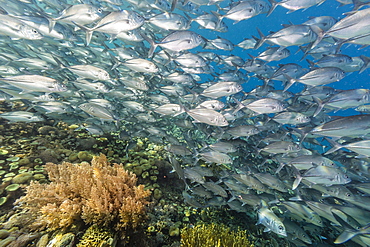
(212, 235)
(97, 193)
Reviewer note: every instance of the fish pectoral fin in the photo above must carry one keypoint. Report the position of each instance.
(266, 229)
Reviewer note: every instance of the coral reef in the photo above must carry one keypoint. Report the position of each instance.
(97, 237)
(212, 235)
(95, 193)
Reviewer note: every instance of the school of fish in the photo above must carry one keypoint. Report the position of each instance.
(146, 68)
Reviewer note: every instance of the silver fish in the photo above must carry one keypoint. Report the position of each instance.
(294, 5)
(211, 21)
(273, 54)
(351, 233)
(352, 126)
(271, 181)
(35, 83)
(318, 77)
(323, 175)
(272, 223)
(360, 147)
(82, 14)
(215, 188)
(246, 9)
(266, 105)
(289, 36)
(141, 65)
(344, 99)
(212, 104)
(14, 28)
(208, 116)
(297, 232)
(251, 182)
(190, 60)
(170, 21)
(216, 157)
(53, 107)
(303, 212)
(89, 72)
(98, 111)
(293, 118)
(219, 44)
(221, 89)
(170, 109)
(114, 23)
(42, 26)
(176, 41)
(243, 130)
(223, 147)
(351, 26)
(91, 86)
(22, 116)
(193, 175)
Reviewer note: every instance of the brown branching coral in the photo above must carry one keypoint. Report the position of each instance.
(96, 193)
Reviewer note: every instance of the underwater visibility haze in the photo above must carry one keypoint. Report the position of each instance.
(184, 123)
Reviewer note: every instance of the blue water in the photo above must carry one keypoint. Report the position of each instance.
(237, 32)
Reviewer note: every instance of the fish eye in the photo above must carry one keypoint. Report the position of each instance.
(34, 31)
(281, 228)
(100, 10)
(348, 194)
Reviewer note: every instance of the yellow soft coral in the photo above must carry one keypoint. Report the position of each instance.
(97, 193)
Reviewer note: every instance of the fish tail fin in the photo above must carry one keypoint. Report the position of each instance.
(298, 179)
(173, 5)
(273, 6)
(239, 107)
(219, 19)
(335, 145)
(296, 182)
(281, 166)
(348, 233)
(320, 105)
(366, 63)
(89, 32)
(3, 11)
(301, 132)
(320, 35)
(290, 82)
(260, 40)
(252, 57)
(190, 20)
(345, 236)
(311, 64)
(59, 62)
(116, 61)
(357, 4)
(152, 44)
(51, 24)
(51, 21)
